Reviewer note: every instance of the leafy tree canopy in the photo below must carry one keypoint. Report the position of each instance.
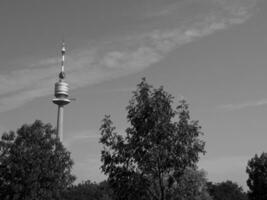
(257, 177)
(33, 164)
(191, 186)
(160, 143)
(88, 191)
(227, 190)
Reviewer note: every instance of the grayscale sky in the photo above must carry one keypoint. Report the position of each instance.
(211, 52)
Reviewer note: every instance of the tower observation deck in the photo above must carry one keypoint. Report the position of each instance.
(61, 95)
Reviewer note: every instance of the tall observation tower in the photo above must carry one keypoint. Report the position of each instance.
(61, 95)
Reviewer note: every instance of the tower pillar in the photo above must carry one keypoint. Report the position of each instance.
(60, 112)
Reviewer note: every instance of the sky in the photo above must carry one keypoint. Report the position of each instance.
(210, 52)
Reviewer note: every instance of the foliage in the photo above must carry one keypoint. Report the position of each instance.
(33, 164)
(159, 145)
(257, 181)
(88, 191)
(191, 186)
(226, 191)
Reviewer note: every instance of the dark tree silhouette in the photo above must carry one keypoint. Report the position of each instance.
(226, 191)
(257, 181)
(88, 191)
(33, 164)
(159, 145)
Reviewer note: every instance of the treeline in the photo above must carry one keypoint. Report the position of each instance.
(88, 190)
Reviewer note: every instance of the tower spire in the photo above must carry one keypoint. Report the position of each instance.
(61, 95)
(63, 51)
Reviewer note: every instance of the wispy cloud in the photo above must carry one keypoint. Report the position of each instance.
(86, 136)
(118, 58)
(82, 136)
(243, 105)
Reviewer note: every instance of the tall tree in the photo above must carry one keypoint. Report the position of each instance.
(33, 164)
(257, 177)
(227, 190)
(159, 145)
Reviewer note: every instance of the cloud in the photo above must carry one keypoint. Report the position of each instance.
(128, 55)
(81, 137)
(86, 136)
(226, 8)
(233, 107)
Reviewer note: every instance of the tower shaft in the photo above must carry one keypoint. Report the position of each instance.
(60, 113)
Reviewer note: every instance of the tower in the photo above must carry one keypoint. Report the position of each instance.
(61, 95)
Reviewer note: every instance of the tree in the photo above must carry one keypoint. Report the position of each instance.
(191, 186)
(33, 164)
(257, 177)
(88, 191)
(160, 143)
(226, 191)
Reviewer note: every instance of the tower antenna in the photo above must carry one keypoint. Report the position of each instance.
(63, 52)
